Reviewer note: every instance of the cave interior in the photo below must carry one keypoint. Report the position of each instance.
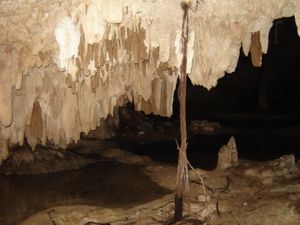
(103, 148)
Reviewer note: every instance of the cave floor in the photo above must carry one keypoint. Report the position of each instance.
(233, 198)
(106, 183)
(131, 179)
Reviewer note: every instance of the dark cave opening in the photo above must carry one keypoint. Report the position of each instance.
(260, 107)
(243, 91)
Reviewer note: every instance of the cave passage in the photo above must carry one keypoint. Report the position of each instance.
(260, 107)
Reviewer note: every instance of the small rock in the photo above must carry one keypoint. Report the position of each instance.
(207, 211)
(202, 198)
(196, 208)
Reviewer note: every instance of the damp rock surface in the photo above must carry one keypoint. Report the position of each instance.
(43, 160)
(233, 198)
(204, 126)
(107, 185)
(283, 167)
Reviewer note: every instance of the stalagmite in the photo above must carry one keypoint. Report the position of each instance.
(71, 63)
(228, 155)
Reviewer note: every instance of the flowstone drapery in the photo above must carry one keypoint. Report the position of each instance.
(65, 65)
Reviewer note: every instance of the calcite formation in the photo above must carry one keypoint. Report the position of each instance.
(228, 155)
(66, 64)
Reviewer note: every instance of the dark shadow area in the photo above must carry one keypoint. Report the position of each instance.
(203, 149)
(260, 107)
(109, 184)
(271, 90)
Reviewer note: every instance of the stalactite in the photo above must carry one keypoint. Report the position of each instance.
(80, 61)
(256, 50)
(34, 131)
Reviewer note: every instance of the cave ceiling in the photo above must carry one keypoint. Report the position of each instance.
(66, 64)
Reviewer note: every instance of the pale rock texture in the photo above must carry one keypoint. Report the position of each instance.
(65, 65)
(228, 155)
(283, 167)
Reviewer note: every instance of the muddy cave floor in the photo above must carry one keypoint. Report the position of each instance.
(130, 179)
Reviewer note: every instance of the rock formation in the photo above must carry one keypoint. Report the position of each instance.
(228, 155)
(65, 65)
(24, 161)
(283, 167)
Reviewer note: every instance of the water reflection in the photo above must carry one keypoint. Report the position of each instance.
(107, 184)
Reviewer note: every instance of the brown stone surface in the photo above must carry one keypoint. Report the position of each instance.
(233, 199)
(24, 161)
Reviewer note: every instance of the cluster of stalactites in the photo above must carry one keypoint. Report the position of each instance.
(64, 65)
(54, 96)
(223, 27)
